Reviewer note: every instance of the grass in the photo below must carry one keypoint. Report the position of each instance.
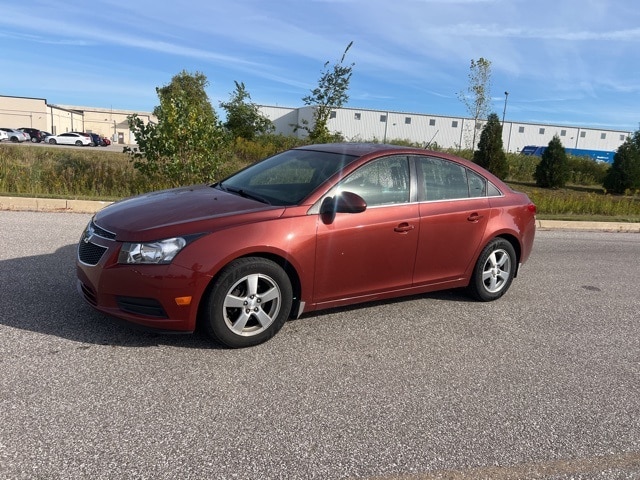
(87, 174)
(581, 203)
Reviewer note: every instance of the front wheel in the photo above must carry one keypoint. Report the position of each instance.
(52, 141)
(249, 302)
(494, 271)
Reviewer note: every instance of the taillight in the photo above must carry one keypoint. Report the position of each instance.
(532, 208)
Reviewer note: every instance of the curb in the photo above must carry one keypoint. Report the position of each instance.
(51, 205)
(90, 206)
(620, 227)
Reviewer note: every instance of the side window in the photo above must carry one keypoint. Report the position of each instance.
(477, 184)
(442, 179)
(381, 182)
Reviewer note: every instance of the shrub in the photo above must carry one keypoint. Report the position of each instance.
(553, 169)
(490, 153)
(624, 174)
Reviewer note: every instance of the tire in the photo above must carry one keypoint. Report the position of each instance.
(52, 141)
(249, 302)
(494, 271)
(78, 143)
(34, 140)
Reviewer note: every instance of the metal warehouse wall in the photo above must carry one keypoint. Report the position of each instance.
(446, 132)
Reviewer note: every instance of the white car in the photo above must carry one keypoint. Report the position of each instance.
(15, 135)
(3, 135)
(68, 139)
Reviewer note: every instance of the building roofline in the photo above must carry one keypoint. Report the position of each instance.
(459, 117)
(26, 98)
(102, 110)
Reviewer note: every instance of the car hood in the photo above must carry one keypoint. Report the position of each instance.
(181, 211)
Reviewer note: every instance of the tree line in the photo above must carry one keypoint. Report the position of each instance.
(189, 143)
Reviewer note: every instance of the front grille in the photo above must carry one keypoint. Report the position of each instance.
(90, 253)
(101, 232)
(141, 306)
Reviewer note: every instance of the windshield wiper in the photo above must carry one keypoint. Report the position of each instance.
(244, 193)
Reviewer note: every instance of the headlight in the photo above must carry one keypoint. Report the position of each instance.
(162, 251)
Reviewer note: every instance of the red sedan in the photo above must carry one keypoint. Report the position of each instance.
(311, 228)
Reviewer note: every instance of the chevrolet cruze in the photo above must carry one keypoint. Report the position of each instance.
(311, 228)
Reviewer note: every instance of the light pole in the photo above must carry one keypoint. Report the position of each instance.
(504, 112)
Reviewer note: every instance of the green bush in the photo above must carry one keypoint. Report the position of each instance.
(553, 169)
(102, 175)
(584, 171)
(624, 174)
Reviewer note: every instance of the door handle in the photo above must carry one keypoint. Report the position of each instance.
(404, 228)
(474, 217)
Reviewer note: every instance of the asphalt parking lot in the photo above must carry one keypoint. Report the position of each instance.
(544, 383)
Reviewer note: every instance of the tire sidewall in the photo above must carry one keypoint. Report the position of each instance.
(476, 286)
(214, 322)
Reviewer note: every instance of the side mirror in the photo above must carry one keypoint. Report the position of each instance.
(344, 202)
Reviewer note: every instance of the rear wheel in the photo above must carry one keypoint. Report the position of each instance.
(78, 143)
(249, 302)
(52, 141)
(494, 271)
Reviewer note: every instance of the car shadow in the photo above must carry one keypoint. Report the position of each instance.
(452, 295)
(38, 294)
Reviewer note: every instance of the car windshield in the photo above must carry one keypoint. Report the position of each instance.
(286, 178)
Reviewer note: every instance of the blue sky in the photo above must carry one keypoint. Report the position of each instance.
(574, 62)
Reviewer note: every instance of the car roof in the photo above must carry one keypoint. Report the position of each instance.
(352, 148)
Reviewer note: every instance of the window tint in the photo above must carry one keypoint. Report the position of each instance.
(288, 177)
(381, 182)
(493, 190)
(477, 184)
(444, 180)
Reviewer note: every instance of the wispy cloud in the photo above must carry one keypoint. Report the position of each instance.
(569, 58)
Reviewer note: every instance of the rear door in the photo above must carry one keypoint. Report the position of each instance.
(454, 212)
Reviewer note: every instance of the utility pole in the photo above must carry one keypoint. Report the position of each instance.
(504, 112)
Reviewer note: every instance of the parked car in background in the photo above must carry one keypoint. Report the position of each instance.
(3, 135)
(69, 138)
(315, 227)
(96, 140)
(36, 135)
(106, 141)
(82, 133)
(15, 135)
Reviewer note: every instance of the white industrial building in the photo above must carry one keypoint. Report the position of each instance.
(357, 124)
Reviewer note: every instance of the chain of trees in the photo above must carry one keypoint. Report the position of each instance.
(190, 144)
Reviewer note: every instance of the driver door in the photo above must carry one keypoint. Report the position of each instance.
(361, 254)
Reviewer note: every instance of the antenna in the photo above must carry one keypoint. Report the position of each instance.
(428, 144)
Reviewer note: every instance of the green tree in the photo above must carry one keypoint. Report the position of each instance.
(553, 169)
(477, 97)
(244, 119)
(330, 93)
(624, 173)
(490, 153)
(187, 144)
